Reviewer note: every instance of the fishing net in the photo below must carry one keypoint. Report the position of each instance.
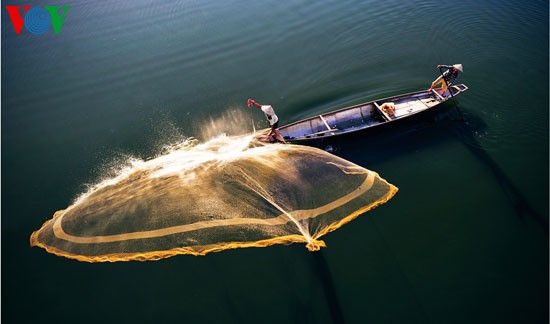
(230, 192)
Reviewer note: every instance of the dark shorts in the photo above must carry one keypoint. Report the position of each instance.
(275, 126)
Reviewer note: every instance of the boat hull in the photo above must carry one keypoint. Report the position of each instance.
(369, 116)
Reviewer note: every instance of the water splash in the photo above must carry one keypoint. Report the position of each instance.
(231, 122)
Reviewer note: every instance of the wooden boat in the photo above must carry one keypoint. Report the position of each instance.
(365, 115)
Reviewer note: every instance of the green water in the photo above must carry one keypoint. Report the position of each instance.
(465, 240)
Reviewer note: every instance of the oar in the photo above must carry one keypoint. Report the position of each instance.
(451, 92)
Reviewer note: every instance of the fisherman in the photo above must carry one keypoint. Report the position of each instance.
(447, 78)
(274, 134)
(388, 108)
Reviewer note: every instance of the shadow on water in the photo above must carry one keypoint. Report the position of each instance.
(322, 270)
(466, 130)
(430, 130)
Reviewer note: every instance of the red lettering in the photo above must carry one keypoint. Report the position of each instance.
(16, 19)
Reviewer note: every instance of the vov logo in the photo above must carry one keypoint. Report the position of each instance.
(37, 20)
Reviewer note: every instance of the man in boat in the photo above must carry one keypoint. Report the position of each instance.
(388, 108)
(447, 78)
(274, 134)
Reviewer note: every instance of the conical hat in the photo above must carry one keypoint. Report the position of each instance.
(458, 67)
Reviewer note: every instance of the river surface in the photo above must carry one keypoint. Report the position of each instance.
(465, 240)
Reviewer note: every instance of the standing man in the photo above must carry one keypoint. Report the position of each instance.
(447, 78)
(272, 118)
